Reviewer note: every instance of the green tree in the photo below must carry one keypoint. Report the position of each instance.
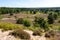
(41, 22)
(50, 18)
(55, 15)
(34, 12)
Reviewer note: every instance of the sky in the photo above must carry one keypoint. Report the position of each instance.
(29, 3)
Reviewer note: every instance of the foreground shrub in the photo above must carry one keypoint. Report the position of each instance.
(52, 33)
(37, 32)
(20, 21)
(27, 23)
(21, 34)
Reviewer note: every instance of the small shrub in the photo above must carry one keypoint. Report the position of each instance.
(15, 16)
(50, 33)
(21, 34)
(27, 23)
(36, 25)
(34, 12)
(1, 17)
(37, 32)
(55, 15)
(47, 35)
(20, 21)
(11, 14)
(50, 18)
(10, 26)
(59, 21)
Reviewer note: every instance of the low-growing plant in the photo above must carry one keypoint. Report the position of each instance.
(59, 21)
(27, 23)
(37, 32)
(10, 26)
(20, 21)
(55, 15)
(52, 33)
(41, 23)
(1, 17)
(36, 25)
(50, 18)
(21, 34)
(11, 14)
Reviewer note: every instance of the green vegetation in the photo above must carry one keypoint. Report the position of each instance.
(50, 18)
(1, 17)
(10, 26)
(27, 23)
(5, 10)
(21, 34)
(55, 15)
(41, 23)
(37, 33)
(20, 21)
(59, 21)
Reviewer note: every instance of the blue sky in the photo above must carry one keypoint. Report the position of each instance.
(29, 3)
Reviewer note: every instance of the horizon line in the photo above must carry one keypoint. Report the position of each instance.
(30, 7)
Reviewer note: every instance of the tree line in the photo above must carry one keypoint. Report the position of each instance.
(5, 10)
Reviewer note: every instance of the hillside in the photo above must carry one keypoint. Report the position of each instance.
(30, 23)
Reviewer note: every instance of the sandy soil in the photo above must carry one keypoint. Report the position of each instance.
(5, 36)
(35, 37)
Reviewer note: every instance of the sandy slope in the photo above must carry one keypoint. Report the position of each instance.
(35, 37)
(5, 36)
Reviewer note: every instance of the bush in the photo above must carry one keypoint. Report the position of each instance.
(11, 14)
(59, 21)
(27, 23)
(34, 12)
(55, 15)
(50, 18)
(20, 21)
(10, 26)
(52, 33)
(21, 34)
(40, 21)
(36, 24)
(1, 17)
(37, 33)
